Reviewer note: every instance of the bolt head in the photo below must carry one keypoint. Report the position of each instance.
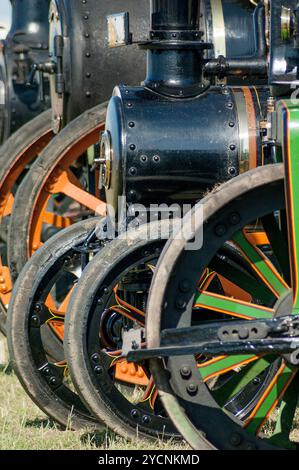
(95, 358)
(235, 439)
(98, 370)
(220, 230)
(185, 371)
(146, 419)
(192, 388)
(135, 413)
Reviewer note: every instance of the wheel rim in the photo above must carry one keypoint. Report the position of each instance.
(48, 307)
(137, 404)
(7, 187)
(203, 408)
(61, 180)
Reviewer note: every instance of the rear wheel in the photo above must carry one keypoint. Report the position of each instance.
(36, 326)
(16, 156)
(59, 190)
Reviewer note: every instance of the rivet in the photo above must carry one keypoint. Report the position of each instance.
(192, 388)
(86, 17)
(235, 439)
(129, 105)
(35, 320)
(88, 94)
(234, 218)
(37, 308)
(88, 75)
(230, 105)
(134, 413)
(220, 230)
(180, 303)
(232, 171)
(132, 171)
(53, 381)
(232, 147)
(98, 370)
(146, 419)
(87, 54)
(86, 35)
(131, 124)
(231, 124)
(95, 357)
(143, 158)
(156, 158)
(185, 372)
(132, 147)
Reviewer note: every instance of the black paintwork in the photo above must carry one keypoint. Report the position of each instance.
(90, 68)
(170, 150)
(25, 44)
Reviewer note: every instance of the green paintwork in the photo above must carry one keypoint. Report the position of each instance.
(266, 405)
(231, 306)
(241, 379)
(289, 110)
(271, 276)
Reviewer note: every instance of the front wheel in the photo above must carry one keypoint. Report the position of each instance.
(247, 214)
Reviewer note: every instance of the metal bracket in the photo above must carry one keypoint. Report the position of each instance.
(119, 30)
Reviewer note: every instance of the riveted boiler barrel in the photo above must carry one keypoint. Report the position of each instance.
(90, 70)
(159, 150)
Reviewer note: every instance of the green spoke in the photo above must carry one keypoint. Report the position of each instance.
(285, 419)
(270, 398)
(241, 379)
(223, 364)
(278, 243)
(261, 265)
(229, 306)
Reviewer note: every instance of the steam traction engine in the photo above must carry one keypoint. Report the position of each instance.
(25, 44)
(193, 122)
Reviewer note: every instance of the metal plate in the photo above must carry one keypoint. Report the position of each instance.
(118, 30)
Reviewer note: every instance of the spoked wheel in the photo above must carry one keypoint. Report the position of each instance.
(181, 295)
(16, 154)
(36, 326)
(105, 315)
(104, 319)
(59, 190)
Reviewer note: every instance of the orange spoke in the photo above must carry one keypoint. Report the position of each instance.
(7, 205)
(56, 220)
(67, 184)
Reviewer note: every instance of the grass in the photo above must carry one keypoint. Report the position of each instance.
(24, 427)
